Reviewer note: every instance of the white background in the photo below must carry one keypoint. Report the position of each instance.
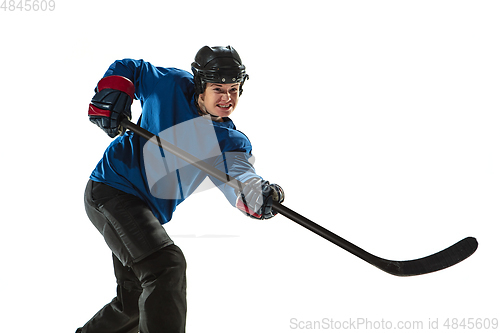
(380, 119)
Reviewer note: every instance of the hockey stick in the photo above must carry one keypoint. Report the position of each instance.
(440, 260)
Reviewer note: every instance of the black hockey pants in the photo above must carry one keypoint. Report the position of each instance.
(150, 270)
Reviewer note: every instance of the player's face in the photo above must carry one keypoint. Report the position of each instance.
(220, 99)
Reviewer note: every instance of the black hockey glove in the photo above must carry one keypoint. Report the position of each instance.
(256, 199)
(111, 104)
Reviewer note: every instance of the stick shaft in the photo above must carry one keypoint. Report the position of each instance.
(325, 233)
(236, 184)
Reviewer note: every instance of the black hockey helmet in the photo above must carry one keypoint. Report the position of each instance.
(217, 65)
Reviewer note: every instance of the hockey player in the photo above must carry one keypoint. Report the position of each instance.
(128, 197)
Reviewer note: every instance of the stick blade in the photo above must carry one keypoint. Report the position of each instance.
(435, 262)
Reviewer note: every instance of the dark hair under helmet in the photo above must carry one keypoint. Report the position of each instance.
(217, 65)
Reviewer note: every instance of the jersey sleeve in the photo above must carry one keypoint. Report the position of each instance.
(235, 164)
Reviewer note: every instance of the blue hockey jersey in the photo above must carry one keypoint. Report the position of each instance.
(163, 181)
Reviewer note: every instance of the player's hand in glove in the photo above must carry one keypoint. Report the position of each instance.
(257, 198)
(111, 104)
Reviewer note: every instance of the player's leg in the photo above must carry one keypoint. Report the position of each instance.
(162, 303)
(133, 234)
(122, 313)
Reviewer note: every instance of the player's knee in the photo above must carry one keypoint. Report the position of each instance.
(166, 264)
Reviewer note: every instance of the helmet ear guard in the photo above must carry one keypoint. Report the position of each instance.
(217, 65)
(199, 86)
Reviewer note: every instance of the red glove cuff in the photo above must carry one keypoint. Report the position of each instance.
(117, 82)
